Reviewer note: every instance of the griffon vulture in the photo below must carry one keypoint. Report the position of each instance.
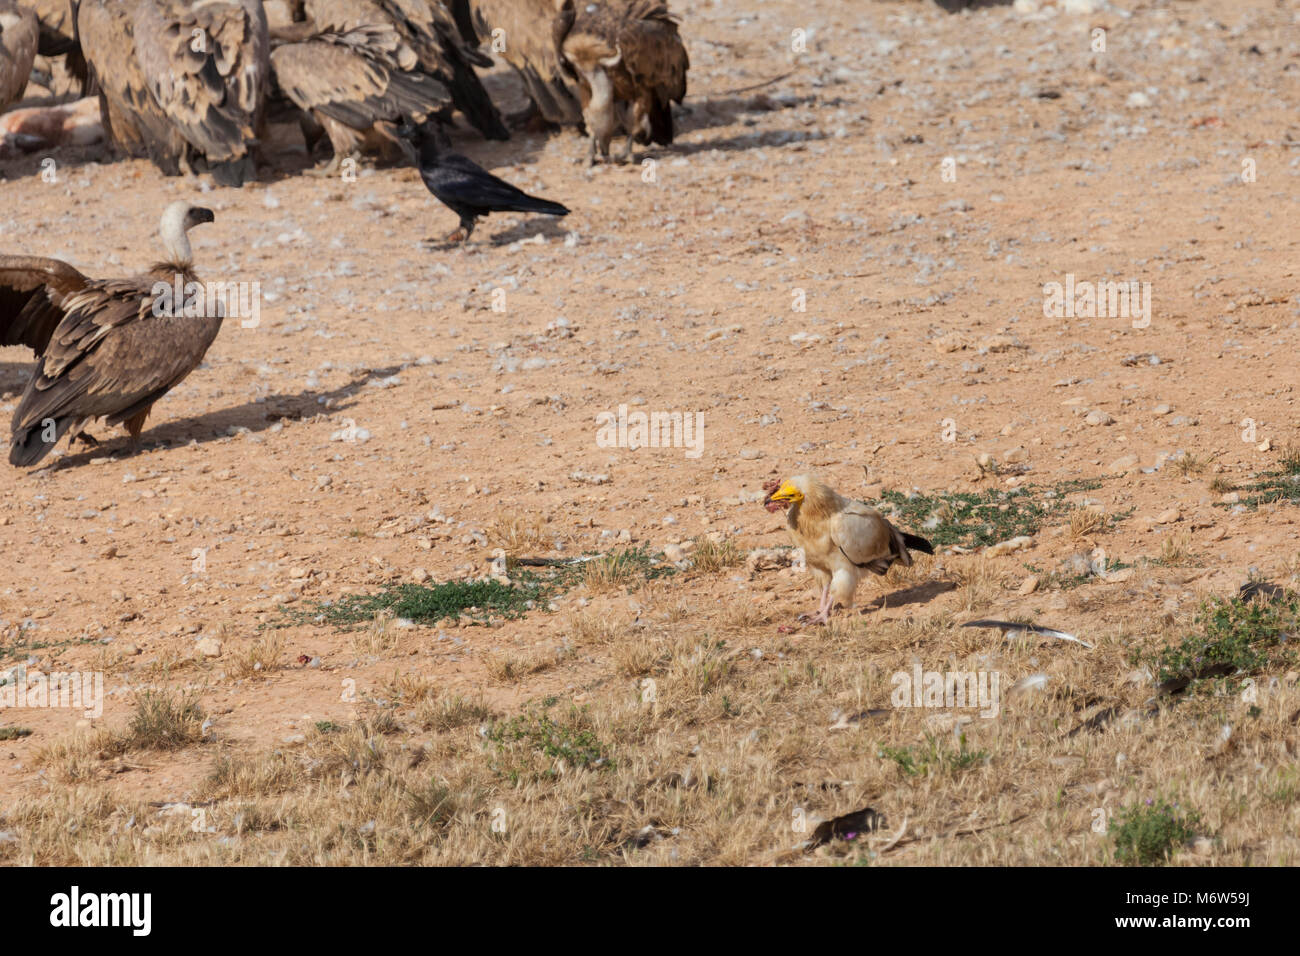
(108, 348)
(633, 67)
(528, 35)
(184, 81)
(466, 188)
(19, 33)
(428, 29)
(840, 538)
(360, 85)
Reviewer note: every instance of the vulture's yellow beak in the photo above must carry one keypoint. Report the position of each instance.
(787, 492)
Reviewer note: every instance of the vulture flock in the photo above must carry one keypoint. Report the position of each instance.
(193, 84)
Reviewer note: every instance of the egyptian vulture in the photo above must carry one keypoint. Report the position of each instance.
(360, 85)
(528, 34)
(183, 82)
(633, 68)
(427, 27)
(840, 538)
(19, 33)
(108, 348)
(466, 188)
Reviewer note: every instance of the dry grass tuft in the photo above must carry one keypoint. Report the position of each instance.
(503, 668)
(1188, 464)
(381, 636)
(612, 571)
(978, 582)
(259, 660)
(713, 556)
(518, 535)
(590, 628)
(1176, 550)
(638, 656)
(1086, 522)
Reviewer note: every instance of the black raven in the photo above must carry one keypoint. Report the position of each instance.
(465, 187)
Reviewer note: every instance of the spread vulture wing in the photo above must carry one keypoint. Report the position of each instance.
(206, 65)
(109, 356)
(33, 294)
(528, 34)
(867, 539)
(358, 78)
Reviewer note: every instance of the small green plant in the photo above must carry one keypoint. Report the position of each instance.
(1147, 833)
(934, 757)
(431, 805)
(1280, 485)
(1233, 636)
(13, 733)
(568, 739)
(1286, 788)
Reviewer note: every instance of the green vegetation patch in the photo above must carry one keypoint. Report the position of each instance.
(477, 600)
(569, 737)
(934, 757)
(1233, 636)
(1271, 487)
(975, 519)
(1148, 833)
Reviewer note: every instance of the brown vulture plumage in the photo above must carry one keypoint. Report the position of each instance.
(181, 81)
(360, 85)
(106, 347)
(527, 34)
(59, 35)
(427, 27)
(19, 34)
(633, 67)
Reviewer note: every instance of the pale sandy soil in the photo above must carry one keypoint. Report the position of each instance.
(670, 288)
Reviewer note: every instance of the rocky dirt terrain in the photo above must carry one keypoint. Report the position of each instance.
(842, 267)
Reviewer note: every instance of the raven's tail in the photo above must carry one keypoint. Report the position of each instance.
(533, 204)
(917, 543)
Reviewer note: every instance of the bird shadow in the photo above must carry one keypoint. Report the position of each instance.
(724, 110)
(759, 139)
(213, 426)
(957, 6)
(549, 226)
(546, 226)
(31, 165)
(917, 594)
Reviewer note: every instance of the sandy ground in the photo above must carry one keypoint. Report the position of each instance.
(397, 400)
